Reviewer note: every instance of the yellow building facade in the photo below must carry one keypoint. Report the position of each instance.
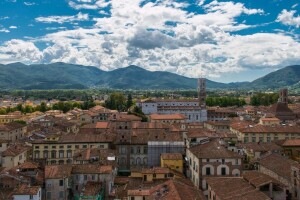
(172, 160)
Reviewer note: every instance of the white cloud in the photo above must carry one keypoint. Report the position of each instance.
(4, 30)
(29, 3)
(161, 36)
(88, 4)
(13, 27)
(3, 18)
(289, 18)
(63, 19)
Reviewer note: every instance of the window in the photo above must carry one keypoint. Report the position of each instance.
(61, 154)
(76, 146)
(69, 153)
(61, 147)
(84, 146)
(61, 194)
(45, 147)
(145, 150)
(61, 182)
(223, 171)
(223, 161)
(253, 139)
(37, 147)
(69, 146)
(53, 154)
(53, 147)
(85, 177)
(48, 195)
(139, 150)
(30, 196)
(93, 177)
(46, 154)
(132, 150)
(208, 171)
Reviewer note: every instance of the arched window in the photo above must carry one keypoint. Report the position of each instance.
(37, 154)
(46, 154)
(145, 161)
(138, 161)
(53, 154)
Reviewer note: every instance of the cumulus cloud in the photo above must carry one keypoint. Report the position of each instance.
(160, 35)
(88, 4)
(289, 18)
(4, 30)
(63, 19)
(13, 27)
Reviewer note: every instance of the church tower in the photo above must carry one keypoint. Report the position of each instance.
(283, 96)
(202, 92)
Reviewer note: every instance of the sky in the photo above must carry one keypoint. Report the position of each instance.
(225, 41)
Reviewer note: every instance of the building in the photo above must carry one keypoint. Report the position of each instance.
(211, 159)
(58, 182)
(295, 179)
(24, 192)
(12, 131)
(15, 155)
(220, 126)
(193, 109)
(172, 160)
(101, 174)
(265, 133)
(280, 168)
(92, 190)
(291, 148)
(10, 117)
(55, 149)
(281, 109)
(168, 118)
(271, 121)
(233, 188)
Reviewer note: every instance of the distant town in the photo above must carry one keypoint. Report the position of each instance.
(142, 146)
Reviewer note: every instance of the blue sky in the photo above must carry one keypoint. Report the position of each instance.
(226, 41)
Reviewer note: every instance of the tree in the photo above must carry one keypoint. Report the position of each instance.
(43, 107)
(129, 101)
(116, 101)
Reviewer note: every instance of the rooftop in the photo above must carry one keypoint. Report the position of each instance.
(25, 189)
(213, 149)
(171, 156)
(167, 117)
(234, 188)
(57, 171)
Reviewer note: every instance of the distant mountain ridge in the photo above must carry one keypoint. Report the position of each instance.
(69, 76)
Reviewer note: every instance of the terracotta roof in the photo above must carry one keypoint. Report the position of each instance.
(259, 179)
(271, 129)
(278, 164)
(168, 117)
(213, 149)
(92, 188)
(24, 189)
(92, 169)
(87, 154)
(102, 125)
(15, 150)
(11, 126)
(57, 171)
(291, 143)
(171, 156)
(234, 188)
(80, 138)
(149, 125)
(28, 165)
(201, 132)
(260, 147)
(219, 123)
(270, 119)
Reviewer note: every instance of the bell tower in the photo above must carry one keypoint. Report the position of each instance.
(202, 92)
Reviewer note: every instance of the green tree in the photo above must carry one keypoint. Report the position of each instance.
(116, 101)
(43, 107)
(129, 101)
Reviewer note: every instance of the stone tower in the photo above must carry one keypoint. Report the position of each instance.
(202, 92)
(283, 96)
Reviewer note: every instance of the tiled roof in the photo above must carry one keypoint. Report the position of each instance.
(258, 179)
(260, 147)
(57, 171)
(15, 150)
(11, 126)
(24, 189)
(92, 188)
(271, 129)
(28, 165)
(92, 169)
(149, 125)
(167, 117)
(213, 149)
(234, 188)
(291, 143)
(102, 125)
(171, 156)
(278, 164)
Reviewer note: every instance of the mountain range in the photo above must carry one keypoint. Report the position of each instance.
(69, 76)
